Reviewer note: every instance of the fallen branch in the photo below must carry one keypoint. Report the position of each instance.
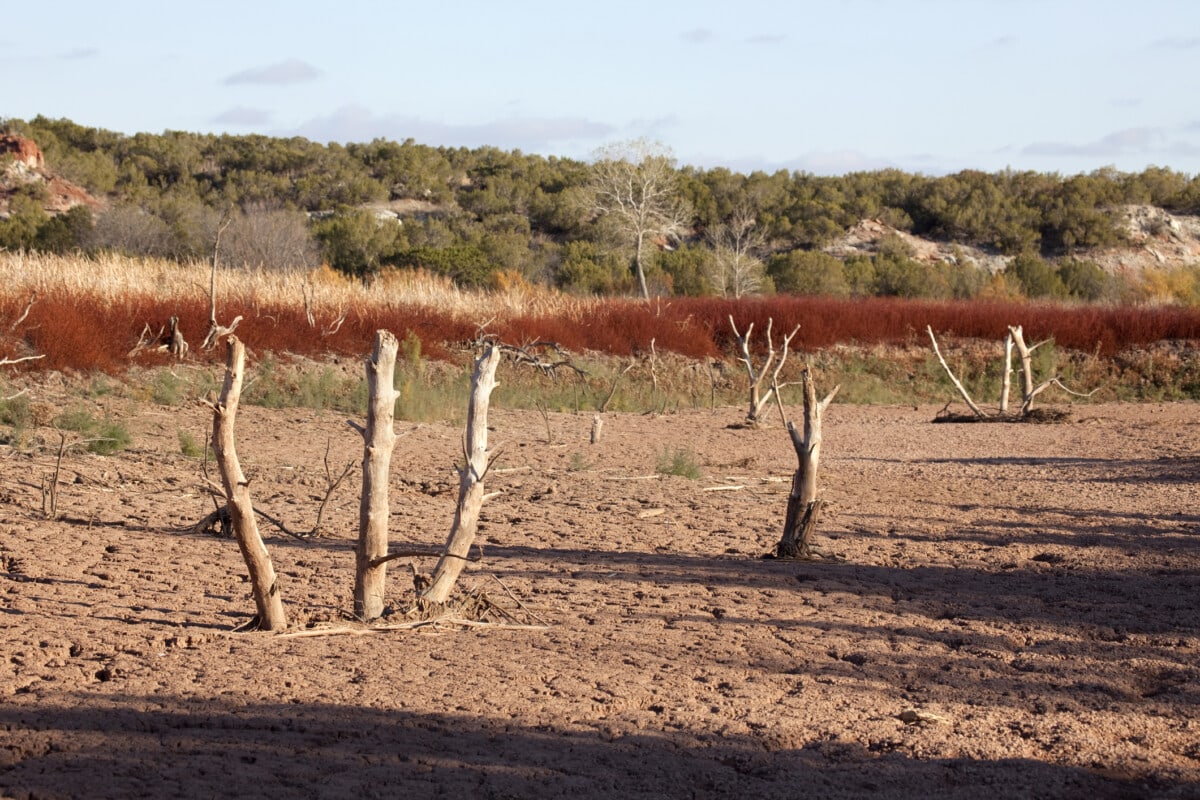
(6, 361)
(533, 355)
(953, 378)
(447, 619)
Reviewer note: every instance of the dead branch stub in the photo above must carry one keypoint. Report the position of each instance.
(764, 380)
(215, 330)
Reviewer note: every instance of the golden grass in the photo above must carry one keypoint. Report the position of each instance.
(108, 278)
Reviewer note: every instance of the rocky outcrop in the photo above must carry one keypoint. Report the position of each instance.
(864, 238)
(23, 164)
(22, 150)
(1154, 239)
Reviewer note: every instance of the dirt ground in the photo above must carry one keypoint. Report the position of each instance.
(1027, 593)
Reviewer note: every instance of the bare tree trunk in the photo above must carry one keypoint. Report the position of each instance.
(803, 505)
(1028, 390)
(1006, 379)
(264, 585)
(470, 484)
(379, 439)
(637, 266)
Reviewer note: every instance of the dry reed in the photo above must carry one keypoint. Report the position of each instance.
(110, 278)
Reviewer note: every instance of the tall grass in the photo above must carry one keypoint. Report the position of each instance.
(90, 312)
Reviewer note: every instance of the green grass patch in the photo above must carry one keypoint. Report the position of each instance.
(104, 436)
(190, 446)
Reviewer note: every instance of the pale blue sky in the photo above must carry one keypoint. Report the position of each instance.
(928, 86)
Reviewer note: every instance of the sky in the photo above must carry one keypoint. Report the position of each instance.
(826, 87)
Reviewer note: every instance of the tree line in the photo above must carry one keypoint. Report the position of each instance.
(488, 217)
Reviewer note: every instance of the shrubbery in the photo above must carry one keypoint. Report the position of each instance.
(470, 214)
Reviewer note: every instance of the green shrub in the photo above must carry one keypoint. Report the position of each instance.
(275, 386)
(680, 461)
(190, 446)
(104, 436)
(16, 413)
(1037, 277)
(809, 272)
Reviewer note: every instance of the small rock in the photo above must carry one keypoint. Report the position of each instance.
(915, 716)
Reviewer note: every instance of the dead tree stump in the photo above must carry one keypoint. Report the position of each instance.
(263, 582)
(470, 483)
(379, 440)
(804, 507)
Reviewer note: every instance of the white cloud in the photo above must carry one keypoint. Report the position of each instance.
(825, 162)
(79, 53)
(1176, 43)
(1118, 143)
(291, 71)
(243, 115)
(530, 134)
(697, 35)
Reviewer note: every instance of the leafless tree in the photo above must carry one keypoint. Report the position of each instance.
(635, 188)
(269, 238)
(129, 229)
(735, 269)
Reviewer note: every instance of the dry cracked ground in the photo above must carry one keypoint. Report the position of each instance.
(1009, 609)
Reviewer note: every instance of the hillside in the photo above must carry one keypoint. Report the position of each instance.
(484, 217)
